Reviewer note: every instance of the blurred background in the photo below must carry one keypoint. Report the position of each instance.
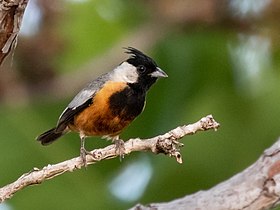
(222, 58)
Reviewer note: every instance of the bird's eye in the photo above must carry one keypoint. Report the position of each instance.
(142, 68)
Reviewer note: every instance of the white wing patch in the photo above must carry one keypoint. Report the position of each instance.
(62, 113)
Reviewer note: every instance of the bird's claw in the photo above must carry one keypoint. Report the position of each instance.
(83, 155)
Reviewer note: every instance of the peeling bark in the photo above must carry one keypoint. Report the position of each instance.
(11, 14)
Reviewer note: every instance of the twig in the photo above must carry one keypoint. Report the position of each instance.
(255, 188)
(167, 144)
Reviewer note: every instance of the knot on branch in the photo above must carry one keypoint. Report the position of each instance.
(8, 4)
(209, 122)
(170, 147)
(167, 144)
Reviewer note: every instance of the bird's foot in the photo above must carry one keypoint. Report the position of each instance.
(120, 150)
(83, 155)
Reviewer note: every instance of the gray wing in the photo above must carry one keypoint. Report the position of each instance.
(88, 92)
(82, 100)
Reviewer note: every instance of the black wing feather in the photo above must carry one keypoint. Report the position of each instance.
(68, 115)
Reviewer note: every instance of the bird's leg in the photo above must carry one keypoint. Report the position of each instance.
(83, 151)
(120, 150)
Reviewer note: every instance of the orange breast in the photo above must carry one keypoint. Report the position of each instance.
(97, 119)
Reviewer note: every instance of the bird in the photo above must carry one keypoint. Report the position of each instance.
(109, 103)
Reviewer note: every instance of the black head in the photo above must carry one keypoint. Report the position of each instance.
(147, 69)
(138, 58)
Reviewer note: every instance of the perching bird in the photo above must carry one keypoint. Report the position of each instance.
(109, 103)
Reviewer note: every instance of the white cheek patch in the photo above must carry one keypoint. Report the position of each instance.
(125, 73)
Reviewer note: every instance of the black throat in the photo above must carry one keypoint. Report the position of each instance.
(128, 103)
(143, 84)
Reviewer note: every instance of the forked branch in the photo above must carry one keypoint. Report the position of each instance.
(167, 144)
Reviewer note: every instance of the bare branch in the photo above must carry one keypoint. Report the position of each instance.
(167, 144)
(255, 188)
(11, 14)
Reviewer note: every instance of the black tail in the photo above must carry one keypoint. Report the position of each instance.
(49, 136)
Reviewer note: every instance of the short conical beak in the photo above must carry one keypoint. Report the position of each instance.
(159, 73)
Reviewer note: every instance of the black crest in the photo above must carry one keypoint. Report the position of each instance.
(139, 58)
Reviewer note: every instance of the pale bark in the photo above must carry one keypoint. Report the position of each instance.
(255, 188)
(167, 144)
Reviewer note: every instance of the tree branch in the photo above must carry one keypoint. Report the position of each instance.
(167, 144)
(255, 188)
(11, 14)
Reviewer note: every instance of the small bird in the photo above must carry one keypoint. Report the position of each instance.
(109, 103)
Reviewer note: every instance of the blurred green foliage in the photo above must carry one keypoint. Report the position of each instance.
(201, 81)
(94, 27)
